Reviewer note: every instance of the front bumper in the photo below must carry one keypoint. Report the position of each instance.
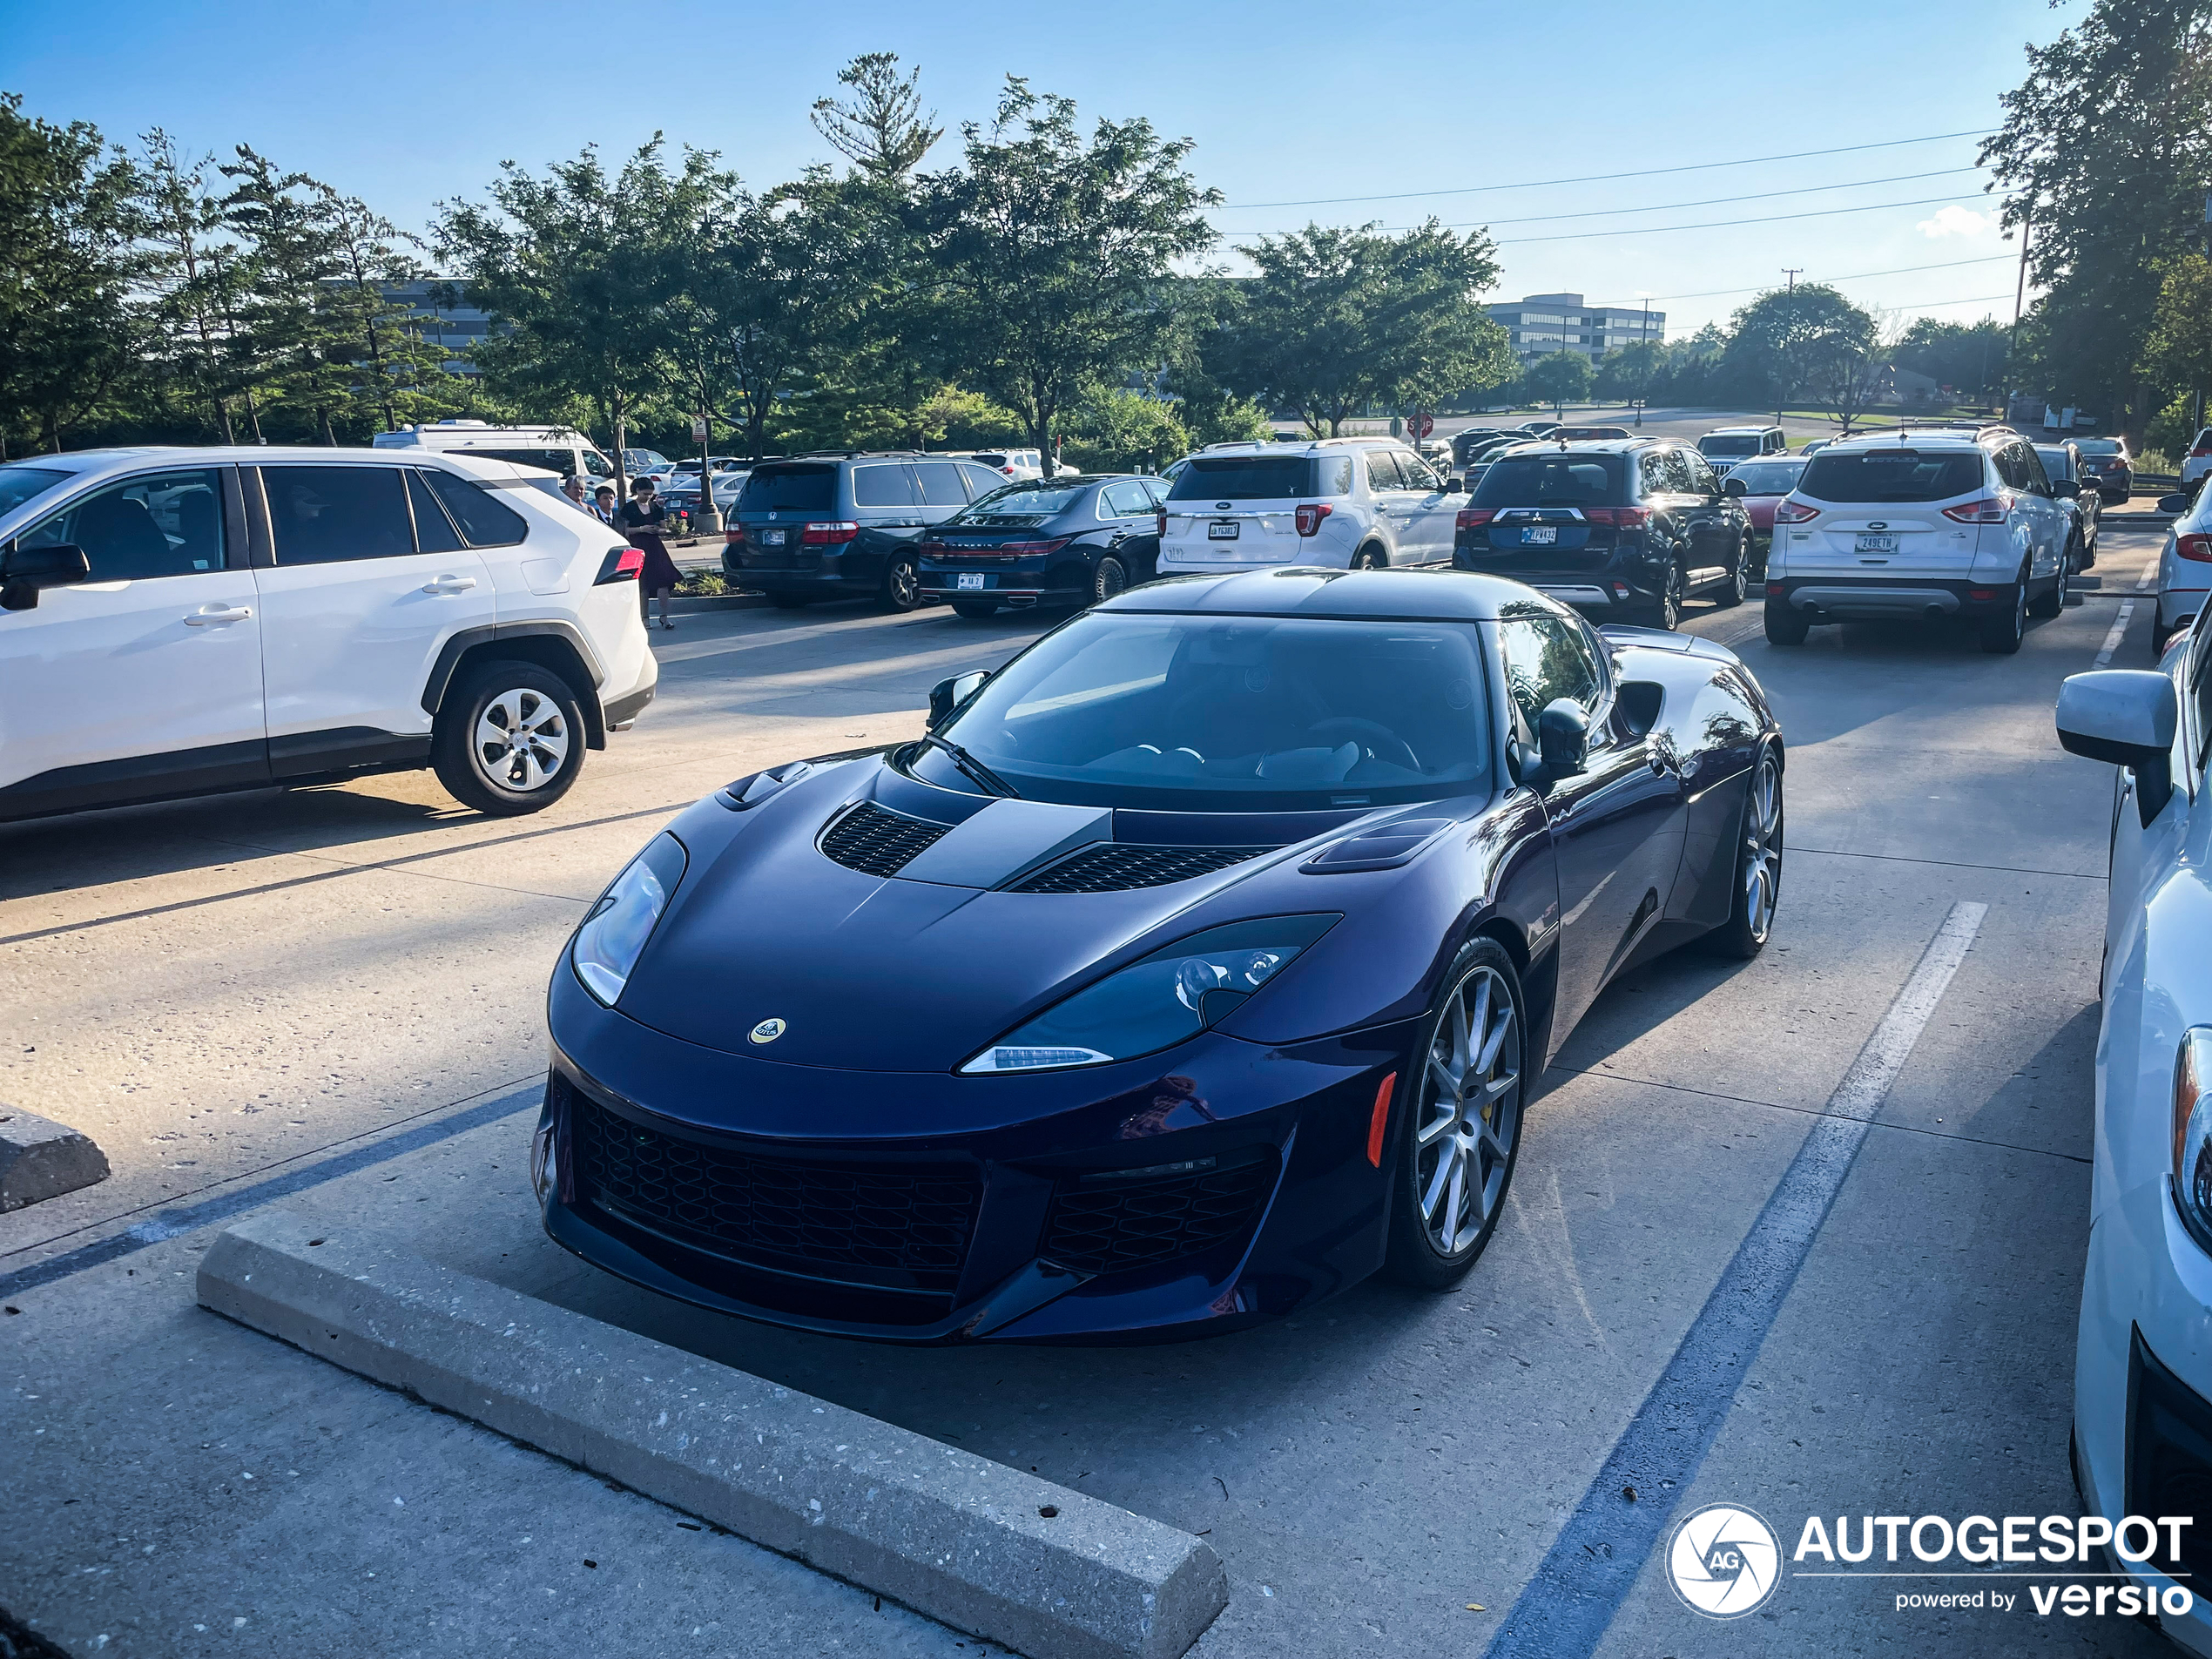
(1026, 1227)
(2142, 1371)
(1838, 598)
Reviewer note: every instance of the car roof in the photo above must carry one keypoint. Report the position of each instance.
(1590, 446)
(1310, 446)
(89, 462)
(1730, 431)
(1922, 438)
(1298, 590)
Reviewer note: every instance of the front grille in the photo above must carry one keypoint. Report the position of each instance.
(879, 842)
(2169, 1459)
(1108, 1227)
(1113, 867)
(904, 1227)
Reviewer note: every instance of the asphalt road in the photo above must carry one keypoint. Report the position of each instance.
(229, 993)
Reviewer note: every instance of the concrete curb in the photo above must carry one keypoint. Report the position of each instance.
(985, 1549)
(41, 1159)
(679, 603)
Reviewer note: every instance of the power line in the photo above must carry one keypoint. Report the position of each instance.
(1856, 276)
(1601, 178)
(1718, 201)
(1718, 224)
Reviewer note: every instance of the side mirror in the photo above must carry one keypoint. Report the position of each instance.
(1563, 737)
(947, 695)
(2065, 489)
(2176, 505)
(25, 572)
(2126, 716)
(1455, 486)
(1733, 486)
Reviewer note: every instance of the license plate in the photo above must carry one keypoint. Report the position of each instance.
(1877, 543)
(772, 538)
(1221, 530)
(1540, 535)
(971, 579)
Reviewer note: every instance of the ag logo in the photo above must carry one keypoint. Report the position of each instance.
(766, 1031)
(1724, 1561)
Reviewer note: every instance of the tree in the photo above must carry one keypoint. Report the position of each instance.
(1851, 368)
(1123, 431)
(70, 339)
(1786, 336)
(1627, 372)
(1970, 358)
(2179, 349)
(882, 130)
(2106, 152)
(395, 372)
(190, 280)
(1052, 258)
(1559, 378)
(1339, 322)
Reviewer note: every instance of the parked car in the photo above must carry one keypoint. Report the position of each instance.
(180, 622)
(1627, 528)
(1078, 540)
(1944, 523)
(1195, 964)
(1760, 485)
(2142, 1421)
(2184, 566)
(1353, 503)
(1580, 434)
(1008, 463)
(1725, 446)
(1537, 429)
(558, 449)
(844, 525)
(2062, 464)
(637, 462)
(2198, 461)
(2106, 461)
(1466, 445)
(683, 492)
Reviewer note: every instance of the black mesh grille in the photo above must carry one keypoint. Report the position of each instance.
(1113, 867)
(904, 1227)
(879, 842)
(1107, 1228)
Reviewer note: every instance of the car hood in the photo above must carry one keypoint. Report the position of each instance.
(919, 970)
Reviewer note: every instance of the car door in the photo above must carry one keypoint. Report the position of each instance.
(887, 504)
(1127, 504)
(1616, 826)
(146, 679)
(365, 581)
(1430, 514)
(2054, 528)
(1394, 504)
(1707, 518)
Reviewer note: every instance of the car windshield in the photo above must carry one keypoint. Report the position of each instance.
(1891, 475)
(1230, 714)
(1034, 499)
(2056, 462)
(1745, 445)
(1553, 481)
(1768, 477)
(789, 489)
(2097, 446)
(20, 484)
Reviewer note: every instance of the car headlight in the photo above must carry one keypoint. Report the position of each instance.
(613, 935)
(2192, 1132)
(1155, 1003)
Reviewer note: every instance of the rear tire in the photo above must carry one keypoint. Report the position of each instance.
(1110, 578)
(2050, 604)
(1460, 1121)
(1668, 611)
(1786, 626)
(1371, 558)
(508, 739)
(975, 609)
(2000, 636)
(901, 589)
(1738, 584)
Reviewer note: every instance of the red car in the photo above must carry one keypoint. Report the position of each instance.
(1763, 484)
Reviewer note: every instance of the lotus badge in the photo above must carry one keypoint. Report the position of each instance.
(767, 1031)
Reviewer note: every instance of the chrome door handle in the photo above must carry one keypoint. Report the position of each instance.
(208, 615)
(450, 584)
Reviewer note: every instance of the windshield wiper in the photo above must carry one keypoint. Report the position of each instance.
(975, 770)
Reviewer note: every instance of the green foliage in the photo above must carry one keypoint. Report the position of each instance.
(1559, 378)
(1126, 432)
(1341, 321)
(1795, 341)
(1627, 372)
(882, 129)
(1970, 358)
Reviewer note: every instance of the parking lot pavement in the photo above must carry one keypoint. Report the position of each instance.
(344, 958)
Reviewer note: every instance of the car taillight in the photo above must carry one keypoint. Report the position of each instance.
(621, 564)
(1024, 550)
(1163, 516)
(933, 549)
(1309, 515)
(2201, 451)
(1775, 590)
(734, 536)
(828, 533)
(1630, 518)
(1794, 512)
(2195, 547)
(1990, 510)
(1474, 518)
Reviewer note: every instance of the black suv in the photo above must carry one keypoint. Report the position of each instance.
(1624, 527)
(844, 525)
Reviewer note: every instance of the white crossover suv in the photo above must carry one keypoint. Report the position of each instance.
(2142, 1372)
(1948, 523)
(178, 622)
(1348, 503)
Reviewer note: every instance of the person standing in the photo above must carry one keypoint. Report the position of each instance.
(602, 505)
(572, 487)
(641, 521)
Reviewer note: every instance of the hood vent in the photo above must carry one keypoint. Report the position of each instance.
(877, 842)
(1116, 867)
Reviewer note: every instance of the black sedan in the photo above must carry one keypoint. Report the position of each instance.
(1193, 966)
(1067, 539)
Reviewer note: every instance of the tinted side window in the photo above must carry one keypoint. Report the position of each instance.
(433, 534)
(159, 524)
(789, 489)
(1417, 473)
(485, 521)
(1382, 470)
(328, 515)
(883, 484)
(559, 461)
(1545, 658)
(1701, 480)
(981, 481)
(940, 484)
(2031, 466)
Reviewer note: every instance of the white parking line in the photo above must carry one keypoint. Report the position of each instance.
(2119, 629)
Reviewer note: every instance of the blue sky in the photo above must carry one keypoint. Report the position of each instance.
(407, 106)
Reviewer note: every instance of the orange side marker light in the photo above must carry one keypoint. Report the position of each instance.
(1381, 1118)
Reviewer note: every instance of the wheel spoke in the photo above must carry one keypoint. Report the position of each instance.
(1495, 1041)
(1455, 1203)
(1447, 1161)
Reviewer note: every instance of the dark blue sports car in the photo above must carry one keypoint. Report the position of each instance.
(1195, 964)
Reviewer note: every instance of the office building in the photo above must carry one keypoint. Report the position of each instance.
(1543, 323)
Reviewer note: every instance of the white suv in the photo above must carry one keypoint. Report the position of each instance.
(1348, 503)
(1935, 524)
(177, 622)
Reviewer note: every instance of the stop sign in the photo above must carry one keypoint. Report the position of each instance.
(1423, 425)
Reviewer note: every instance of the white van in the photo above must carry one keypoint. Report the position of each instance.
(556, 448)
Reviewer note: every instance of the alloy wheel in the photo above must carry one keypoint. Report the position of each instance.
(1763, 849)
(1109, 579)
(901, 585)
(1470, 1111)
(521, 740)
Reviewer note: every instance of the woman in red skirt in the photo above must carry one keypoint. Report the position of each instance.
(641, 521)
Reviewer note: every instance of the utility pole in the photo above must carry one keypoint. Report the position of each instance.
(1782, 395)
(2019, 297)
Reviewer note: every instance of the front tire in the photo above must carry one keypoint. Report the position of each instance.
(1370, 558)
(1460, 1126)
(1758, 865)
(509, 739)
